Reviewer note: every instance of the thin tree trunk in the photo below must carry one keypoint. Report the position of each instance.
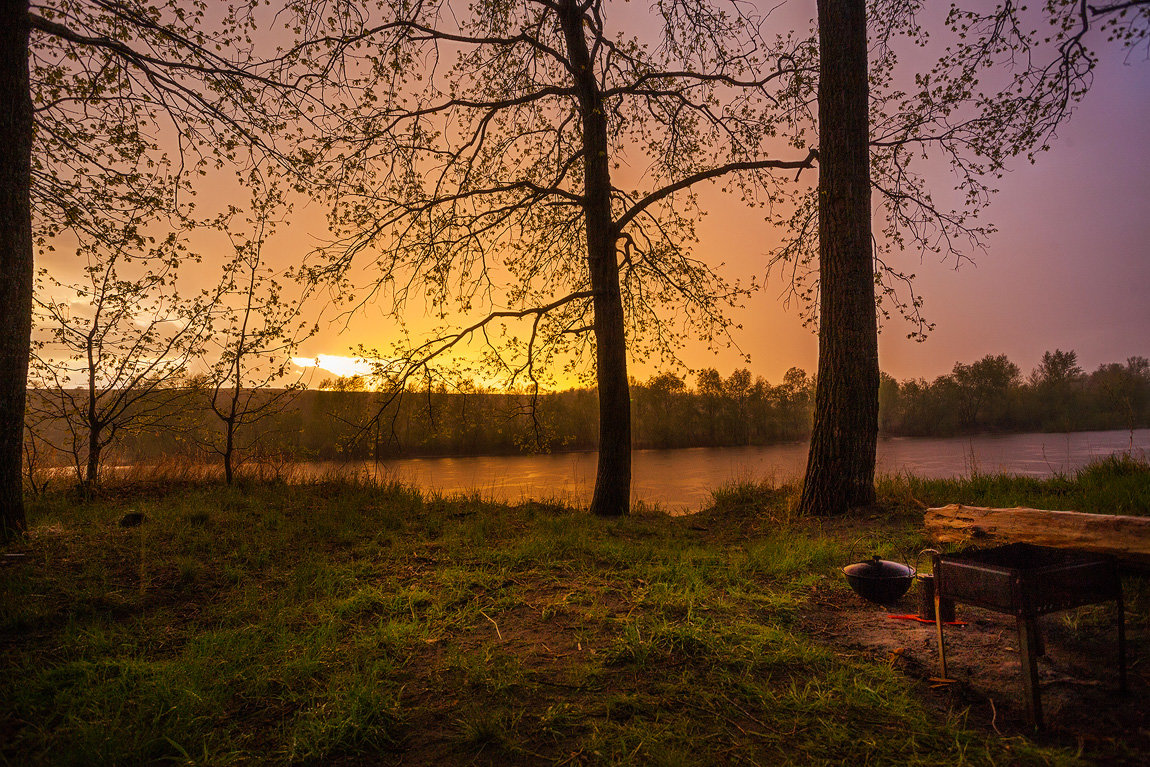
(840, 467)
(92, 470)
(612, 495)
(229, 448)
(15, 257)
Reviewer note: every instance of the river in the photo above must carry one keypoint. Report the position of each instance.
(682, 480)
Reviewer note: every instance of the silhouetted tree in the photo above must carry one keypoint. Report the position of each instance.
(795, 395)
(982, 390)
(975, 127)
(111, 108)
(493, 152)
(116, 345)
(258, 328)
(1057, 368)
(1056, 385)
(1124, 392)
(738, 388)
(662, 419)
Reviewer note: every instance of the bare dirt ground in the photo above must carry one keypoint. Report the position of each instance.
(1078, 676)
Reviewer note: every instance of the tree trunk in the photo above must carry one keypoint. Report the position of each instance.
(612, 495)
(92, 470)
(229, 448)
(840, 467)
(15, 257)
(1125, 538)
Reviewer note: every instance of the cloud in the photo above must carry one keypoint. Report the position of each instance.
(334, 363)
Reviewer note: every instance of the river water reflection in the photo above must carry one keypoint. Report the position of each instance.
(681, 480)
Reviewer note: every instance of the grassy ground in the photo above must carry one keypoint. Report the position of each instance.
(334, 623)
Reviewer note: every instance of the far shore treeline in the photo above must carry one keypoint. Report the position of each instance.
(344, 419)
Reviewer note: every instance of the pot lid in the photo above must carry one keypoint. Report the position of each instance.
(875, 567)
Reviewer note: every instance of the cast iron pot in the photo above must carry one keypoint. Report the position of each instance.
(879, 580)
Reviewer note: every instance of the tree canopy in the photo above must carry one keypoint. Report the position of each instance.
(537, 162)
(115, 112)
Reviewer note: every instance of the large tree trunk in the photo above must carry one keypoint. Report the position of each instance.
(613, 477)
(15, 256)
(840, 467)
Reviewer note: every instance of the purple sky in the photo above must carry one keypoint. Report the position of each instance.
(1070, 264)
(1069, 267)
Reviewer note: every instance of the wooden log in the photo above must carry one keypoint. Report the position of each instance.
(1125, 538)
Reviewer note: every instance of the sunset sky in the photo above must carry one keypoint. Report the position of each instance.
(1069, 267)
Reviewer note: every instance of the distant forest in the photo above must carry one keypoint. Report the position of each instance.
(343, 420)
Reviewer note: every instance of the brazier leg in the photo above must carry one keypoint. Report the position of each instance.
(941, 644)
(1027, 634)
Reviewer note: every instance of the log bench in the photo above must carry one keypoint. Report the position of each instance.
(1125, 538)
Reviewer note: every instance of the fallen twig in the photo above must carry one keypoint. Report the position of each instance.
(493, 623)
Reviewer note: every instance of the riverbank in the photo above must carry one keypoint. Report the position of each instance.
(346, 622)
(678, 480)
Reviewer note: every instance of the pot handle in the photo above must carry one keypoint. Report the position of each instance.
(856, 546)
(907, 561)
(919, 556)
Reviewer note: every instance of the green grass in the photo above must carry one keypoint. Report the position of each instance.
(1113, 485)
(349, 623)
